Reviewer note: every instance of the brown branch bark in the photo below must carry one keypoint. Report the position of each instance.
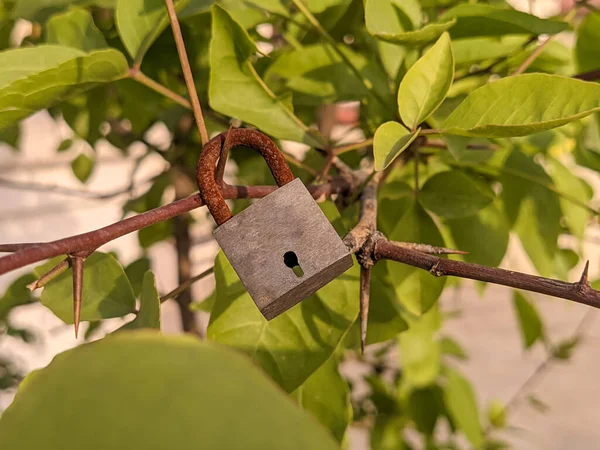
(580, 292)
(31, 253)
(592, 75)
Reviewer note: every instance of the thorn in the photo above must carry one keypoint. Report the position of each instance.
(429, 249)
(584, 275)
(77, 262)
(365, 281)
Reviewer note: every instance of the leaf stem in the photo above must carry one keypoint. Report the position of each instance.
(351, 147)
(157, 87)
(187, 71)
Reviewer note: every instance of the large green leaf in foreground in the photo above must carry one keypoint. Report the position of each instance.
(43, 76)
(522, 105)
(142, 390)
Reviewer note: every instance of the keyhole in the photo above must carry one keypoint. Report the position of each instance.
(291, 260)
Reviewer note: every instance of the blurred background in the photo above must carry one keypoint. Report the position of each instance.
(553, 405)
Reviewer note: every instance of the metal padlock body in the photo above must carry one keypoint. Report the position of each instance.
(256, 240)
(286, 222)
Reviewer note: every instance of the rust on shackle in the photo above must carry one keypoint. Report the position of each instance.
(238, 137)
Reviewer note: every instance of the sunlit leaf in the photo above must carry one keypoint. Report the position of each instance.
(484, 20)
(106, 291)
(149, 376)
(520, 105)
(149, 313)
(237, 91)
(391, 139)
(426, 83)
(75, 28)
(44, 75)
(587, 52)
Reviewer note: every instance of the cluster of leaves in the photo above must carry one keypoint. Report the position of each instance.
(91, 62)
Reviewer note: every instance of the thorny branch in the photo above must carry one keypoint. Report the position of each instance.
(364, 240)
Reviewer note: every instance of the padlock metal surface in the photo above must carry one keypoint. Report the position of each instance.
(256, 240)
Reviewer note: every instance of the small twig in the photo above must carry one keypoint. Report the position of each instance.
(157, 87)
(532, 57)
(580, 292)
(365, 283)
(187, 71)
(77, 262)
(50, 275)
(429, 249)
(352, 147)
(220, 171)
(427, 131)
(322, 174)
(182, 287)
(587, 5)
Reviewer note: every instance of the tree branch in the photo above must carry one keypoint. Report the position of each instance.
(187, 71)
(580, 292)
(31, 253)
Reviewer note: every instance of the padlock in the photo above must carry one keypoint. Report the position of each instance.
(282, 247)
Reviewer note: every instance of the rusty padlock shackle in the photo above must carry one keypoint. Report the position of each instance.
(205, 174)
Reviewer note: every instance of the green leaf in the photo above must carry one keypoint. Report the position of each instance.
(141, 22)
(390, 140)
(205, 305)
(327, 396)
(10, 136)
(488, 226)
(462, 405)
(106, 291)
(16, 294)
(530, 323)
(151, 376)
(426, 83)
(387, 434)
(496, 414)
(155, 233)
(587, 53)
(420, 351)
(149, 313)
(449, 346)
(564, 349)
(135, 273)
(390, 21)
(471, 50)
(520, 105)
(455, 194)
(417, 289)
(42, 76)
(64, 145)
(425, 406)
(532, 209)
(295, 344)
(318, 74)
(150, 199)
(40, 10)
(485, 20)
(86, 113)
(385, 320)
(82, 167)
(75, 28)
(576, 216)
(236, 89)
